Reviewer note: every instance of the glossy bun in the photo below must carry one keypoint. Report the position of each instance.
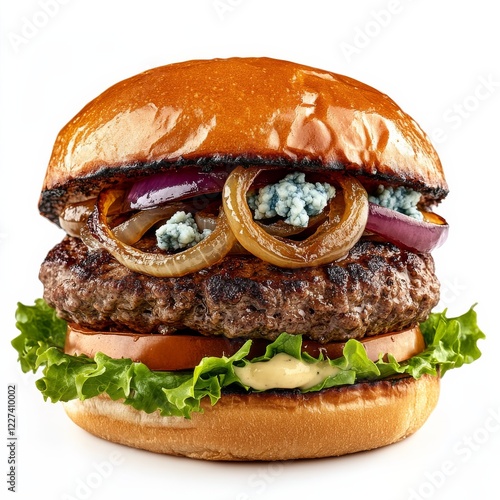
(272, 425)
(238, 111)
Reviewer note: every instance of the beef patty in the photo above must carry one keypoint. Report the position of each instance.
(376, 288)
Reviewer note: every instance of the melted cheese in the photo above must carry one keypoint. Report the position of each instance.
(284, 372)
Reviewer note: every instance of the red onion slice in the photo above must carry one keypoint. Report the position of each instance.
(420, 236)
(405, 231)
(187, 182)
(175, 185)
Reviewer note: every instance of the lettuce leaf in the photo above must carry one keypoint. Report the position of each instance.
(451, 342)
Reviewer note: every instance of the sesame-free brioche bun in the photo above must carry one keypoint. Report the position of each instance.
(238, 111)
(226, 113)
(272, 425)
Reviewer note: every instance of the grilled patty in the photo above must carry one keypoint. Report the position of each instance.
(376, 289)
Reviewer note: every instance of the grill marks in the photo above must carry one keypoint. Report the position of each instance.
(375, 289)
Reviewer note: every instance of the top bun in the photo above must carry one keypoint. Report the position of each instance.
(238, 111)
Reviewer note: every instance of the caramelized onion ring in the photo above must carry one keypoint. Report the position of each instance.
(206, 253)
(332, 240)
(75, 215)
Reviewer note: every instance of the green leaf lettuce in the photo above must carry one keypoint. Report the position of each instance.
(451, 342)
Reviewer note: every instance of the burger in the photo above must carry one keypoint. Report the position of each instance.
(246, 272)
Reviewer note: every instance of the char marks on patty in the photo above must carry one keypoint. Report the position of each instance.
(376, 288)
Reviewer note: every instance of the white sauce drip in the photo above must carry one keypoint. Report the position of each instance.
(284, 372)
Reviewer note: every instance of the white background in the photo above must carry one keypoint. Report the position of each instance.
(438, 59)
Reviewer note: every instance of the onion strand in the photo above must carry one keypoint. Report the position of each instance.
(134, 228)
(331, 240)
(206, 253)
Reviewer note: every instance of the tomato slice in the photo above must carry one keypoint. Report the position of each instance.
(402, 345)
(184, 352)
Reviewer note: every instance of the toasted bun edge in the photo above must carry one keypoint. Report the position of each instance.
(238, 111)
(272, 426)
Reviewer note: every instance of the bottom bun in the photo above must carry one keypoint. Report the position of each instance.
(273, 425)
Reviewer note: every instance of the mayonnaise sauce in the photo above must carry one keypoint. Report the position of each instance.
(284, 372)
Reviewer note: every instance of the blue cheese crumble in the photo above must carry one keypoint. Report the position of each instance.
(180, 232)
(293, 198)
(400, 199)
